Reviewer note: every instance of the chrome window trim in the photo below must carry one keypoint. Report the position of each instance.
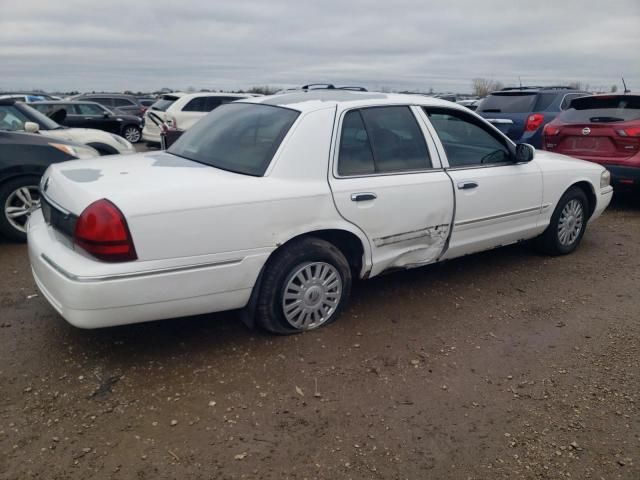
(431, 147)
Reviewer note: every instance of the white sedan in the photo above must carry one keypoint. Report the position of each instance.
(274, 204)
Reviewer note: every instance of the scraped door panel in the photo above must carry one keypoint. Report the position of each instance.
(407, 222)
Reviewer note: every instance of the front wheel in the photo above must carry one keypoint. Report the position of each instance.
(305, 286)
(18, 197)
(132, 133)
(567, 225)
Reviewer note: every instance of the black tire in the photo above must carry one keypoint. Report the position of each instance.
(280, 270)
(132, 133)
(8, 199)
(550, 241)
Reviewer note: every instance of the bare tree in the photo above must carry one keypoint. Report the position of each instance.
(264, 90)
(483, 86)
(614, 88)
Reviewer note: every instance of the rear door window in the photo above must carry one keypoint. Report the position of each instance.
(89, 109)
(508, 102)
(603, 109)
(107, 102)
(381, 140)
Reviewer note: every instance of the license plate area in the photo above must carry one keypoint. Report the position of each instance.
(64, 222)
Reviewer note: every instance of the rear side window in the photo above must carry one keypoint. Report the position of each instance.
(107, 102)
(381, 140)
(603, 109)
(508, 102)
(239, 137)
(122, 102)
(164, 103)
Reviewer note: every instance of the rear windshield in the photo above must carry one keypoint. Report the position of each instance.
(605, 109)
(165, 102)
(508, 102)
(239, 137)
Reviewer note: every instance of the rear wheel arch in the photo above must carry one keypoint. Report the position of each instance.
(349, 244)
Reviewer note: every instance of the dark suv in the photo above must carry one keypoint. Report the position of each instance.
(127, 104)
(521, 113)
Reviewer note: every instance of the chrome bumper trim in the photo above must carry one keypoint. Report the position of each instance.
(143, 273)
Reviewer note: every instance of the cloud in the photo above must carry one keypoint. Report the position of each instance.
(149, 44)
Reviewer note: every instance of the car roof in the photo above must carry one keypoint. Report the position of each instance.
(533, 89)
(311, 100)
(58, 102)
(209, 94)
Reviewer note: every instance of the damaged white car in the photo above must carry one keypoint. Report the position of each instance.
(274, 204)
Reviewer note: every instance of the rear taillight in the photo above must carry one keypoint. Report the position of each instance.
(551, 130)
(102, 231)
(534, 121)
(629, 132)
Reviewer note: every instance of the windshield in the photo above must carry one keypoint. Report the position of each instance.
(13, 117)
(239, 137)
(165, 102)
(512, 102)
(603, 109)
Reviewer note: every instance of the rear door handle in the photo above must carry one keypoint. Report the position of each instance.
(363, 197)
(467, 185)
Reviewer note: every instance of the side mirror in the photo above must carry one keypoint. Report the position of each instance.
(31, 127)
(106, 115)
(524, 153)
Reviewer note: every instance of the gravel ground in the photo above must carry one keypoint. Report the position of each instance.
(502, 365)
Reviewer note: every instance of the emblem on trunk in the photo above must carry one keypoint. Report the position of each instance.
(586, 131)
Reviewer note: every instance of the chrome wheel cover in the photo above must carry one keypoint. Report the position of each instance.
(19, 205)
(311, 295)
(132, 134)
(570, 223)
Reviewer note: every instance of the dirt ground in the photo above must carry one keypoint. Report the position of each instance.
(502, 365)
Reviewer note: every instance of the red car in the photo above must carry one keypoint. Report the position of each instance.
(601, 128)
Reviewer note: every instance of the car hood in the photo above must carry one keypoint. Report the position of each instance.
(91, 136)
(555, 161)
(147, 184)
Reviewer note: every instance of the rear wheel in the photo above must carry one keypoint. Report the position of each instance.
(305, 286)
(132, 133)
(567, 226)
(18, 198)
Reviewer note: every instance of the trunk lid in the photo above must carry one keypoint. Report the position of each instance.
(142, 184)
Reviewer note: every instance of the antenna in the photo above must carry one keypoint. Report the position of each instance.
(626, 90)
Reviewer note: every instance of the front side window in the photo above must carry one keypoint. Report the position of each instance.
(239, 137)
(381, 140)
(466, 142)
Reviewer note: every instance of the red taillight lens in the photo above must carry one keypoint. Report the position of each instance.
(102, 231)
(629, 132)
(534, 121)
(551, 130)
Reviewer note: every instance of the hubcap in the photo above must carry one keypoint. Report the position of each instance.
(19, 205)
(311, 295)
(132, 134)
(570, 222)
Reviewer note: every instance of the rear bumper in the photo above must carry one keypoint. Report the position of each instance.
(624, 176)
(87, 297)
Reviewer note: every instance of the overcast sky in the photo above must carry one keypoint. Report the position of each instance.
(402, 44)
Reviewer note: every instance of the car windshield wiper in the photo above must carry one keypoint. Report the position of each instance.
(492, 110)
(605, 119)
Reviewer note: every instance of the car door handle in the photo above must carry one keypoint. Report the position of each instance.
(363, 197)
(467, 185)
